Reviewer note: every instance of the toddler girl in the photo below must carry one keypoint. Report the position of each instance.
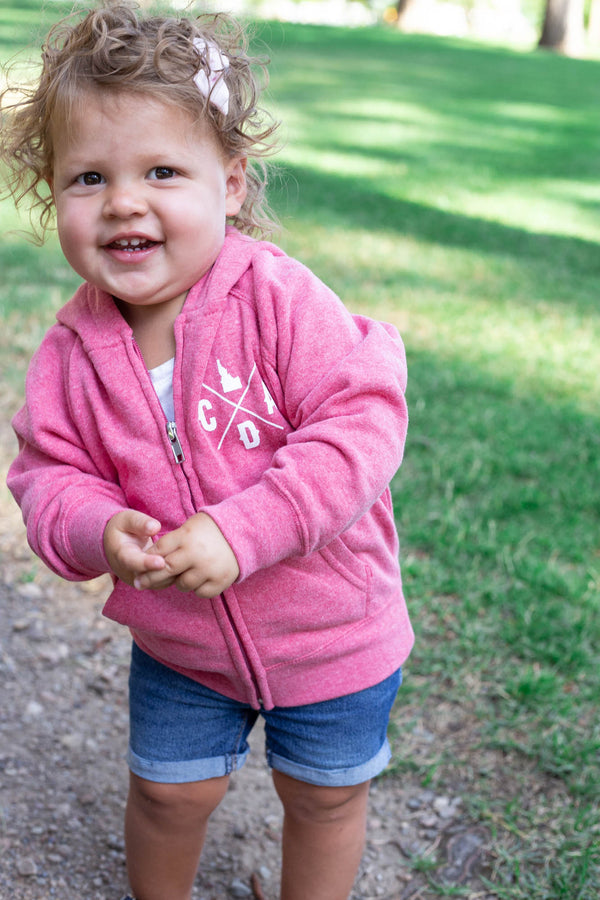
(209, 424)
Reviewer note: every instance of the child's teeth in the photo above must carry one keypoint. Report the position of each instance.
(130, 243)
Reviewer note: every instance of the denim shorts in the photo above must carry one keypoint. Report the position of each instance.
(181, 731)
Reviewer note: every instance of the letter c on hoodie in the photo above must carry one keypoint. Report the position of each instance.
(207, 424)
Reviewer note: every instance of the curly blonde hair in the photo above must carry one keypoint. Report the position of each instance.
(117, 48)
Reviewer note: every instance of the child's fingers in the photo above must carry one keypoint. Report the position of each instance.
(153, 562)
(213, 586)
(128, 544)
(154, 580)
(209, 589)
(133, 521)
(137, 562)
(167, 544)
(147, 525)
(185, 577)
(208, 581)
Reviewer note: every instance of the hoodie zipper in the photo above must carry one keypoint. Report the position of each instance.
(179, 456)
(179, 459)
(249, 667)
(175, 445)
(172, 436)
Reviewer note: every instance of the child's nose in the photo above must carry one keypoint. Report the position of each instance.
(124, 200)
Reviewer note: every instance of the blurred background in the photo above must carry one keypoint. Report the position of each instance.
(568, 26)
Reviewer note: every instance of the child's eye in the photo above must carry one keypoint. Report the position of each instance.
(90, 178)
(159, 173)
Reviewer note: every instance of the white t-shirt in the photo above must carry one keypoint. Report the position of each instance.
(162, 379)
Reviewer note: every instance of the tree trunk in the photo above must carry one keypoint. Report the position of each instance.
(563, 27)
(408, 14)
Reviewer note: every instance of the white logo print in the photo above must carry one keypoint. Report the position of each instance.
(228, 382)
(207, 424)
(249, 434)
(270, 403)
(248, 430)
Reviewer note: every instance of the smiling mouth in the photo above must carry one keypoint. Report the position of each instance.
(132, 245)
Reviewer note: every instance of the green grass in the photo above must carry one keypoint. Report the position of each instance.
(454, 189)
(24, 24)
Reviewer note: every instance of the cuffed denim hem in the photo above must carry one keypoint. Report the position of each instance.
(333, 777)
(186, 770)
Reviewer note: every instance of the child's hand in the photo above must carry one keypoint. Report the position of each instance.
(128, 545)
(197, 558)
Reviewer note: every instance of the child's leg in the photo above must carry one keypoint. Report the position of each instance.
(184, 741)
(323, 756)
(165, 827)
(323, 838)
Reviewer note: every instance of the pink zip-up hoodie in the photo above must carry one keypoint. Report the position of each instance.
(290, 422)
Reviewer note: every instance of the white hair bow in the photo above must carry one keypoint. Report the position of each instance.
(212, 85)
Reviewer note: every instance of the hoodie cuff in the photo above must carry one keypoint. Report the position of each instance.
(86, 536)
(261, 525)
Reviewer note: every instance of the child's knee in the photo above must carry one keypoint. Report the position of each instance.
(179, 803)
(315, 803)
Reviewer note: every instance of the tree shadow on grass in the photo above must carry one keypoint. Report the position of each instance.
(439, 73)
(467, 111)
(359, 203)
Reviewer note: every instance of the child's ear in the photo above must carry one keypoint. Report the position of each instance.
(236, 187)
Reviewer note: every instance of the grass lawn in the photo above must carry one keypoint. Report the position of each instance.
(454, 189)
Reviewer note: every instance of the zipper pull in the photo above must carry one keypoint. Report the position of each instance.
(174, 441)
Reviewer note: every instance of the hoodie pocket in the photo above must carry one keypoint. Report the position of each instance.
(346, 564)
(302, 604)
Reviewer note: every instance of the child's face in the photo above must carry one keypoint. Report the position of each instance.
(141, 197)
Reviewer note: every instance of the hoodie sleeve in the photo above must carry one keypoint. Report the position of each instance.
(341, 380)
(65, 496)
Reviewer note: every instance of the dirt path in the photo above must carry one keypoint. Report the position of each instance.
(63, 736)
